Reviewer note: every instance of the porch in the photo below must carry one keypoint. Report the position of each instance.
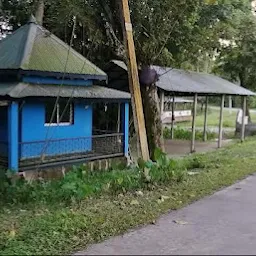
(85, 130)
(54, 152)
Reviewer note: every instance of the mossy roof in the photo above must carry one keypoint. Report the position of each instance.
(23, 90)
(33, 48)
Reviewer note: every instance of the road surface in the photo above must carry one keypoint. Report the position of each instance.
(224, 223)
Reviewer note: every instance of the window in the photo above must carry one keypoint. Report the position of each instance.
(60, 117)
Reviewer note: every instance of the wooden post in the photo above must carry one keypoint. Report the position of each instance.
(173, 117)
(118, 117)
(194, 125)
(243, 119)
(138, 115)
(221, 121)
(205, 118)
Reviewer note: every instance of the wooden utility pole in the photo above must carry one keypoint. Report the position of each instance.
(138, 115)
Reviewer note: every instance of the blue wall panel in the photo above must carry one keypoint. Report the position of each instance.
(38, 139)
(125, 125)
(4, 131)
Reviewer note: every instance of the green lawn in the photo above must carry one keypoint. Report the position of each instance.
(229, 119)
(55, 227)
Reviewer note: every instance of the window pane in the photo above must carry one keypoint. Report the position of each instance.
(48, 113)
(65, 117)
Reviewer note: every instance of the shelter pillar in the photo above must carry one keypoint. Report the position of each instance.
(243, 119)
(221, 121)
(13, 136)
(194, 124)
(161, 102)
(230, 104)
(125, 124)
(205, 118)
(173, 117)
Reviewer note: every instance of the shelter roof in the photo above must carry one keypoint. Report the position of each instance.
(178, 81)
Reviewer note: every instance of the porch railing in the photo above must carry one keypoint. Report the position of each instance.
(3, 154)
(70, 150)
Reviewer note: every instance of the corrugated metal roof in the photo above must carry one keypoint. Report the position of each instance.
(175, 80)
(180, 81)
(23, 90)
(33, 48)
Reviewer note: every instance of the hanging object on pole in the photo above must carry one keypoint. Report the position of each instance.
(138, 114)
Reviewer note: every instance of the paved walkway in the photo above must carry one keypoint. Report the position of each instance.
(224, 223)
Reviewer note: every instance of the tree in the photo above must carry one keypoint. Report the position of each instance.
(184, 33)
(40, 11)
(237, 60)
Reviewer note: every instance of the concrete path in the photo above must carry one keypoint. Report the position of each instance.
(224, 223)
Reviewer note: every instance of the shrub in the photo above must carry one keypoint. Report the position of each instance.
(80, 182)
(184, 134)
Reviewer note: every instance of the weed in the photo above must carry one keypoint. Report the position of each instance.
(54, 229)
(81, 183)
(185, 134)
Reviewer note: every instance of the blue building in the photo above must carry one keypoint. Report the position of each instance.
(48, 94)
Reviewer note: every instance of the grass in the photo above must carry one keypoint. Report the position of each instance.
(184, 134)
(229, 119)
(41, 226)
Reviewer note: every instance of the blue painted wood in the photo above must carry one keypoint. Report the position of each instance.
(48, 80)
(125, 125)
(34, 132)
(13, 136)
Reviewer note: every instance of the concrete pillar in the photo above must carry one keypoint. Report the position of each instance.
(243, 119)
(162, 102)
(192, 149)
(230, 104)
(221, 121)
(205, 118)
(173, 117)
(13, 136)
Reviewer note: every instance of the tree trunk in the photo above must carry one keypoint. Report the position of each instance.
(152, 118)
(40, 12)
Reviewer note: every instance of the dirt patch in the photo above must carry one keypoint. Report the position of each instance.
(182, 147)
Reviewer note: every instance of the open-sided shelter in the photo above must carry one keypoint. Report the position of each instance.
(175, 82)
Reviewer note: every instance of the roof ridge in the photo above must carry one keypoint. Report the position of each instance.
(28, 47)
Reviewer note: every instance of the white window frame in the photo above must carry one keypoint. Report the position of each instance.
(71, 117)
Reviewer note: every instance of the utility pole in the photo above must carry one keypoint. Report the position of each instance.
(138, 115)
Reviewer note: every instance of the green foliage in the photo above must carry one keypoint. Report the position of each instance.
(56, 230)
(185, 134)
(163, 169)
(237, 60)
(80, 183)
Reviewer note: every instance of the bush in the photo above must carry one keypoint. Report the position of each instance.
(184, 134)
(80, 183)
